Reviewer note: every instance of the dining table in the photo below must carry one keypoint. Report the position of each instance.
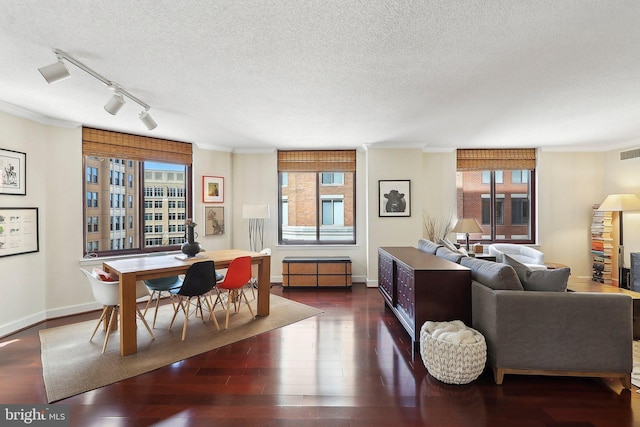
(130, 270)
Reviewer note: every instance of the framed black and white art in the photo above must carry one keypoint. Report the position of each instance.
(13, 165)
(394, 198)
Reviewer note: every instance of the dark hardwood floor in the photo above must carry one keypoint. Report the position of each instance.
(350, 366)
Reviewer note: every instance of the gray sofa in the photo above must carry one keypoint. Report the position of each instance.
(537, 332)
(549, 333)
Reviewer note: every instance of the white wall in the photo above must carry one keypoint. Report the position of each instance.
(392, 164)
(34, 283)
(48, 283)
(212, 163)
(568, 185)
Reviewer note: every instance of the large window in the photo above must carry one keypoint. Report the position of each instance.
(316, 197)
(145, 223)
(497, 188)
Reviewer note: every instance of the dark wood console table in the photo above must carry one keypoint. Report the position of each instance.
(418, 286)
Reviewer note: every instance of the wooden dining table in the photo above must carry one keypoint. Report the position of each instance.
(130, 270)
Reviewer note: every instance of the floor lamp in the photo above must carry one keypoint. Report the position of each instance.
(620, 203)
(256, 214)
(466, 226)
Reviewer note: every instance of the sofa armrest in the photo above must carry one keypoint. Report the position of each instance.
(555, 330)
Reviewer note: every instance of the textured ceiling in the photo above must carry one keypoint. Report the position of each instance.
(263, 74)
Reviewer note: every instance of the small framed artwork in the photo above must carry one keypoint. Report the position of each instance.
(394, 198)
(214, 220)
(13, 165)
(212, 189)
(18, 231)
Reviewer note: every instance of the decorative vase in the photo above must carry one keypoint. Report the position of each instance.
(190, 248)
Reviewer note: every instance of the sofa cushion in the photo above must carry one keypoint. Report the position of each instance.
(447, 244)
(428, 246)
(540, 280)
(450, 255)
(494, 275)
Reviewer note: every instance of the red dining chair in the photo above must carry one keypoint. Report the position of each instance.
(238, 275)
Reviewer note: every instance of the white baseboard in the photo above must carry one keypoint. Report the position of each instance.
(28, 321)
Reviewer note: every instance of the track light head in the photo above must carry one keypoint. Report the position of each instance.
(54, 72)
(114, 104)
(148, 120)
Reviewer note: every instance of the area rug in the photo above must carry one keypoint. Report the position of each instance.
(71, 364)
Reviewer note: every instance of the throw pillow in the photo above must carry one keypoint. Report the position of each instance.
(540, 280)
(103, 275)
(447, 244)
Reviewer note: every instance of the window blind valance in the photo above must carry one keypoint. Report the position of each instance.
(317, 161)
(496, 159)
(104, 143)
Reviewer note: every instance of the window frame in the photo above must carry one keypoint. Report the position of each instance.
(110, 145)
(320, 163)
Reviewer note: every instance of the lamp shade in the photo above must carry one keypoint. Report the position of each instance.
(620, 202)
(255, 211)
(467, 225)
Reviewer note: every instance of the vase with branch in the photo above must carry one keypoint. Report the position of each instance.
(434, 227)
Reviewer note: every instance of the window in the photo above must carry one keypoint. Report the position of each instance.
(92, 175)
(132, 199)
(519, 209)
(332, 178)
(332, 211)
(316, 197)
(496, 187)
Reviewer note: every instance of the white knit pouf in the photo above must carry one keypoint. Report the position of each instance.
(452, 352)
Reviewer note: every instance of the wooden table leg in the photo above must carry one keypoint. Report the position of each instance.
(264, 286)
(128, 337)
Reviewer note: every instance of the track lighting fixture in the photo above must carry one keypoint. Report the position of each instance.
(148, 120)
(58, 71)
(54, 72)
(114, 104)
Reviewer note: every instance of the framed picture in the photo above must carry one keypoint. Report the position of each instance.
(13, 165)
(394, 198)
(18, 231)
(213, 220)
(212, 189)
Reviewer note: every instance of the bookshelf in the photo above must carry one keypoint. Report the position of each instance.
(604, 247)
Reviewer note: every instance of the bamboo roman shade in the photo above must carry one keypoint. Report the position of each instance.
(496, 159)
(317, 161)
(104, 143)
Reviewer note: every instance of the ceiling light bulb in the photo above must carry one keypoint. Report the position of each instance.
(114, 104)
(54, 72)
(147, 120)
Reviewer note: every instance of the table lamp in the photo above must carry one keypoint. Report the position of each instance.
(467, 225)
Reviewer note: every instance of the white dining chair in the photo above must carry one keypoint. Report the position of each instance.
(108, 294)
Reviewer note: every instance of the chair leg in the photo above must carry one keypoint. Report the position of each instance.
(102, 316)
(242, 294)
(145, 323)
(175, 312)
(226, 322)
(106, 338)
(146, 307)
(186, 320)
(211, 316)
(155, 315)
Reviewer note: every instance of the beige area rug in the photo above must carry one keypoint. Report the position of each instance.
(72, 365)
